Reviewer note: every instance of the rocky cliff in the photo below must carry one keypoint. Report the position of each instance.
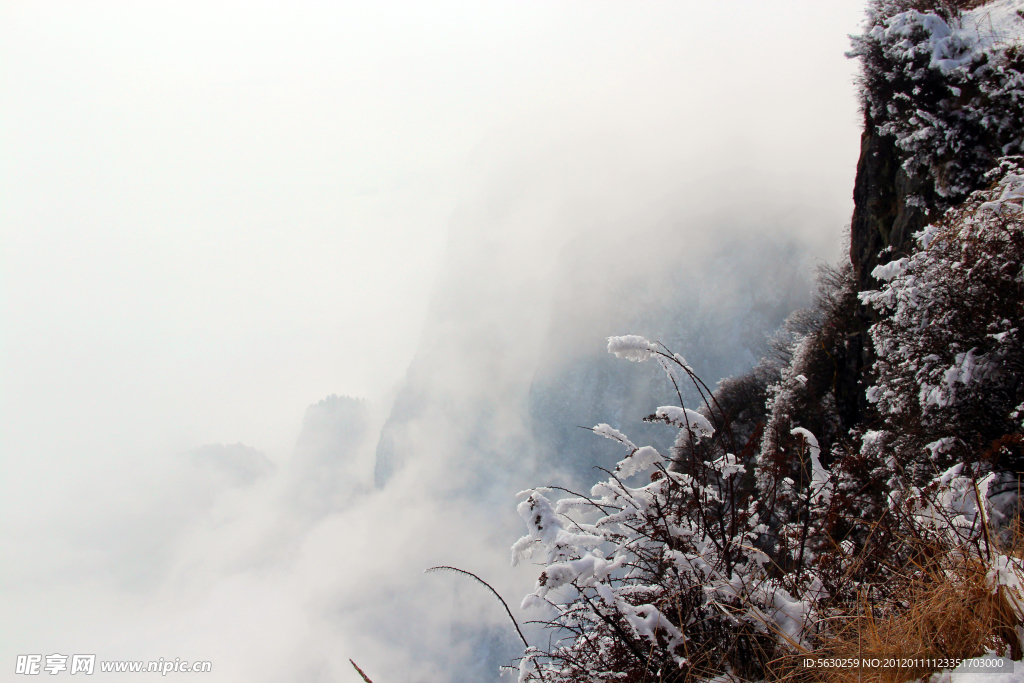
(941, 96)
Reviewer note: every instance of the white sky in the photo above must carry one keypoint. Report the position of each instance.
(213, 214)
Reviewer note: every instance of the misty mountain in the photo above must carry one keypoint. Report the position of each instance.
(235, 464)
(717, 309)
(321, 475)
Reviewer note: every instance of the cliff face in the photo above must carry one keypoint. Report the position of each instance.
(881, 216)
(881, 229)
(941, 103)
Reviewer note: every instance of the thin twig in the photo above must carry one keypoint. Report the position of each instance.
(490, 588)
(365, 677)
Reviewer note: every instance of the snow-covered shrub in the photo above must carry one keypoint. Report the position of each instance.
(949, 375)
(657, 573)
(948, 87)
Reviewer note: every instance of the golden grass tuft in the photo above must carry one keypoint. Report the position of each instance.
(947, 613)
(939, 608)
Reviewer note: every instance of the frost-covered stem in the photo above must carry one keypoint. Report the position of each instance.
(622, 486)
(664, 518)
(983, 516)
(580, 495)
(626, 640)
(708, 399)
(733, 531)
(720, 540)
(769, 500)
(725, 549)
(698, 383)
(555, 624)
(490, 588)
(805, 527)
(857, 565)
(612, 437)
(672, 379)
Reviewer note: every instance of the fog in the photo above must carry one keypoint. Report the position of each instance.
(294, 298)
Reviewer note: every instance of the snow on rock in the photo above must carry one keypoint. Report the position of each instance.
(994, 24)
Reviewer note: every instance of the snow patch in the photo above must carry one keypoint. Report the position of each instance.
(631, 347)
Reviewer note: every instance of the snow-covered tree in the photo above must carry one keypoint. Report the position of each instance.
(946, 86)
(949, 378)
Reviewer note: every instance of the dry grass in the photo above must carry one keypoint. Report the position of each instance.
(941, 608)
(948, 612)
